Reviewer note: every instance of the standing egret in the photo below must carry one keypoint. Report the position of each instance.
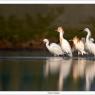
(53, 48)
(79, 45)
(64, 43)
(89, 44)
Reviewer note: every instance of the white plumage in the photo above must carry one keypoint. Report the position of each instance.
(92, 39)
(53, 48)
(64, 43)
(90, 46)
(79, 45)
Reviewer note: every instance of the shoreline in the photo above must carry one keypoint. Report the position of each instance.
(21, 49)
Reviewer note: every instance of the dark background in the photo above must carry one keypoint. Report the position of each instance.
(25, 26)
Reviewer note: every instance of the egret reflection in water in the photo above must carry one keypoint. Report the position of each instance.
(26, 73)
(65, 68)
(52, 65)
(79, 68)
(59, 65)
(89, 74)
(84, 69)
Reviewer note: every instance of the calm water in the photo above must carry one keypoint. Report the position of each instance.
(39, 71)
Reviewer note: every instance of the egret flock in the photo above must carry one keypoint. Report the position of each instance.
(83, 47)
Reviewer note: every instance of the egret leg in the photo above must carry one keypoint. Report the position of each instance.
(79, 53)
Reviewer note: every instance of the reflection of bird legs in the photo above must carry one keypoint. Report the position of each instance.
(79, 53)
(60, 83)
(46, 72)
(90, 74)
(88, 83)
(64, 72)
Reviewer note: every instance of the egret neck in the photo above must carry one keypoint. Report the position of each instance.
(88, 35)
(61, 36)
(47, 44)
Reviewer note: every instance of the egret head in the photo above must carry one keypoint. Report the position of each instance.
(75, 39)
(60, 29)
(45, 40)
(86, 29)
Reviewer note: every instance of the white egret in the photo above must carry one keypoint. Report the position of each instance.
(89, 44)
(64, 43)
(53, 48)
(79, 45)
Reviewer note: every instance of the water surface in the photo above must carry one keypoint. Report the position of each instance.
(40, 71)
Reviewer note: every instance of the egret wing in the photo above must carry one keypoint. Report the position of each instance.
(56, 48)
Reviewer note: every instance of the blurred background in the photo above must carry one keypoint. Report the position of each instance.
(25, 26)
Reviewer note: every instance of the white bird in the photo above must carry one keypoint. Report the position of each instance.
(79, 45)
(64, 43)
(90, 46)
(53, 48)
